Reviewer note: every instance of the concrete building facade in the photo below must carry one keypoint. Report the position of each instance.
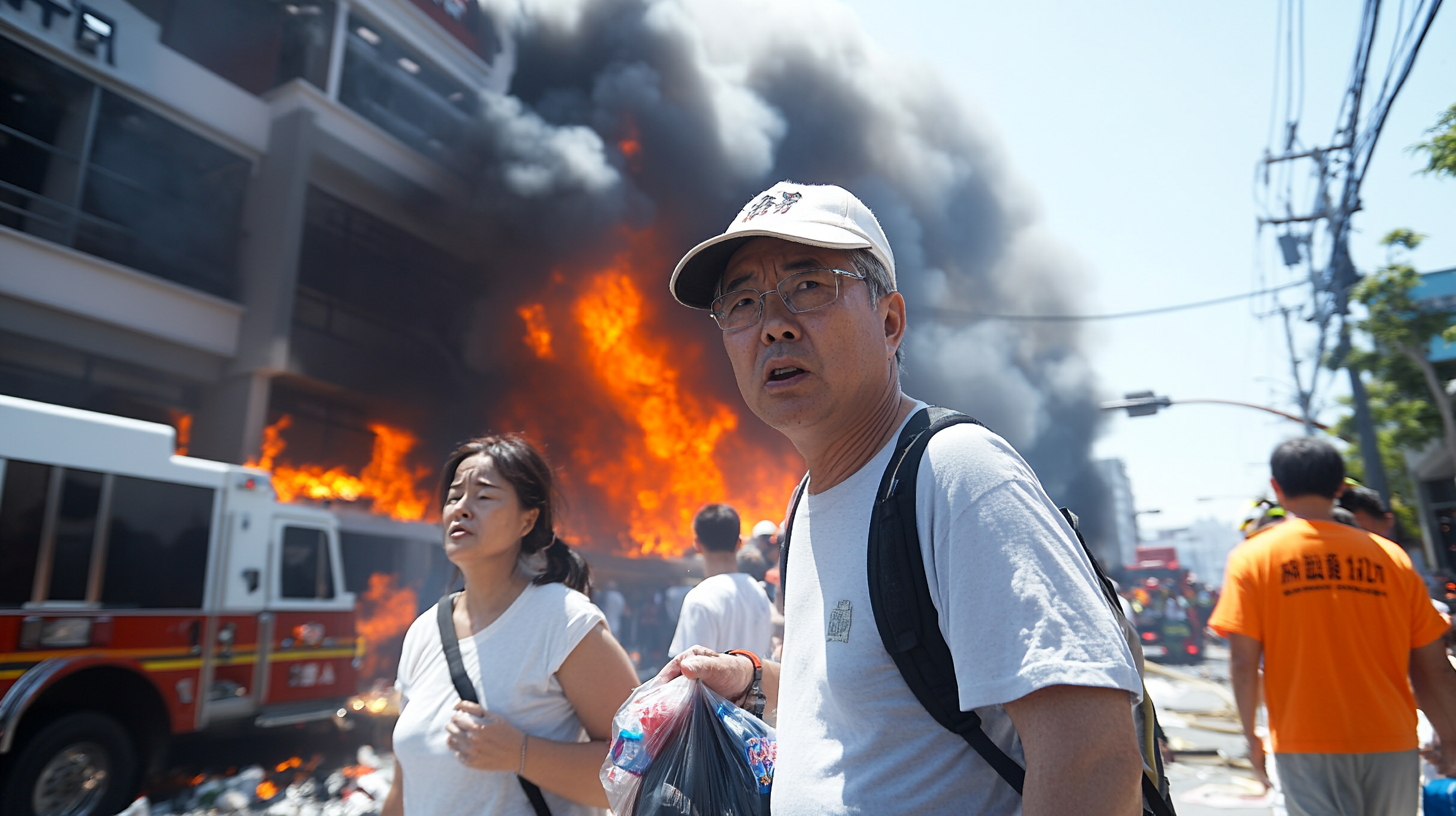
(206, 206)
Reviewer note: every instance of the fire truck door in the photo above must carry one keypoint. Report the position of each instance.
(311, 650)
(237, 623)
(234, 651)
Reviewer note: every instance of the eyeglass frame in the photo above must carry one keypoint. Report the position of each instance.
(778, 290)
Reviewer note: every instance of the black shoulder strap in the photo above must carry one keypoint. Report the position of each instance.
(905, 613)
(901, 600)
(445, 617)
(788, 530)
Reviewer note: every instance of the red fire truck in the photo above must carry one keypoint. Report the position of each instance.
(1167, 607)
(144, 594)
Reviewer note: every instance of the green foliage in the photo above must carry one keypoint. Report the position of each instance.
(1402, 406)
(1403, 238)
(1404, 420)
(1440, 149)
(1395, 322)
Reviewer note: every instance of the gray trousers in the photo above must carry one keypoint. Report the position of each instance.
(1385, 784)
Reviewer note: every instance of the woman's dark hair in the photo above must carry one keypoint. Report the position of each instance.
(521, 464)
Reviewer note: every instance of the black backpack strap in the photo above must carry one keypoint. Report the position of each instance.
(788, 531)
(905, 613)
(445, 617)
(901, 600)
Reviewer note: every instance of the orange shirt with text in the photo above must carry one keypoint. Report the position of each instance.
(1338, 611)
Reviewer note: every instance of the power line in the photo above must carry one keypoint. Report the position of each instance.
(950, 311)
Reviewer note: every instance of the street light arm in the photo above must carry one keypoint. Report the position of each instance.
(1276, 411)
(1147, 405)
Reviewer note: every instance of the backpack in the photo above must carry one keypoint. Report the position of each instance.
(909, 626)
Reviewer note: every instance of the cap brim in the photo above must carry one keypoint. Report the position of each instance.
(695, 280)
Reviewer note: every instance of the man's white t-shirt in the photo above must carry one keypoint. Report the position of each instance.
(1018, 606)
(513, 664)
(728, 611)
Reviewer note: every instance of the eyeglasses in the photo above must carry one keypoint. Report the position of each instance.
(801, 292)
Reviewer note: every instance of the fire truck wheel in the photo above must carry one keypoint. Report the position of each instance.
(82, 764)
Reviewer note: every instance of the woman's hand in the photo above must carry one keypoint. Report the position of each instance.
(482, 740)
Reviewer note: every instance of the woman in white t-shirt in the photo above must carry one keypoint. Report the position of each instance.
(548, 673)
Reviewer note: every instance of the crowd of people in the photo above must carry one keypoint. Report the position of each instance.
(975, 662)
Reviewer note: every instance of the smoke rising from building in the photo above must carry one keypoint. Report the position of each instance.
(631, 130)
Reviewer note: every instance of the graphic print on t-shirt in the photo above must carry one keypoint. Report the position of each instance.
(1348, 572)
(840, 617)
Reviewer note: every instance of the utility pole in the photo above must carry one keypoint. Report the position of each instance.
(1342, 166)
(1304, 396)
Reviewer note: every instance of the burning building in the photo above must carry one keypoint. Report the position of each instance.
(337, 237)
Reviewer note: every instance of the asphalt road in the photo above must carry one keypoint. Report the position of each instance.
(1209, 773)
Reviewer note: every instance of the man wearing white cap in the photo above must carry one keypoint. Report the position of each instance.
(802, 284)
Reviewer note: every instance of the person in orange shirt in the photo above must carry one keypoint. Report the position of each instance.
(1349, 643)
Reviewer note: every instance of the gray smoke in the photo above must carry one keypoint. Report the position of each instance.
(727, 98)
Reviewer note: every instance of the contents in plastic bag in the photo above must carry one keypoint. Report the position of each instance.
(678, 748)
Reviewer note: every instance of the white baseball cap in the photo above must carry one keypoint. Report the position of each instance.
(764, 529)
(814, 214)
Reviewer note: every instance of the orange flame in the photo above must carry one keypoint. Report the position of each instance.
(385, 613)
(266, 790)
(387, 480)
(182, 421)
(292, 762)
(538, 334)
(663, 447)
(631, 146)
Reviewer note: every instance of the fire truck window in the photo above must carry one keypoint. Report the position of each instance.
(22, 513)
(75, 535)
(306, 571)
(156, 553)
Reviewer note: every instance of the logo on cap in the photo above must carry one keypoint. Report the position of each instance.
(768, 204)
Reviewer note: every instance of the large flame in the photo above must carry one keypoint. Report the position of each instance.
(386, 611)
(682, 448)
(390, 484)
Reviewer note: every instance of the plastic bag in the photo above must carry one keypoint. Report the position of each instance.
(678, 748)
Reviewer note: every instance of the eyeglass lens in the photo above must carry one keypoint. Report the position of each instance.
(802, 291)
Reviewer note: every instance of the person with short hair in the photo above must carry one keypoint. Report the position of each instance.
(1345, 632)
(1370, 511)
(802, 285)
(729, 609)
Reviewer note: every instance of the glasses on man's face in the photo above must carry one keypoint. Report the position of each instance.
(801, 292)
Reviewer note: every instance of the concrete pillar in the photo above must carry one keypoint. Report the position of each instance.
(230, 425)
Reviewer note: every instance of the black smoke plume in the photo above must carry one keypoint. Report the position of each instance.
(667, 116)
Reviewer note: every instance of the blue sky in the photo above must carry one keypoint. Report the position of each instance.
(1135, 127)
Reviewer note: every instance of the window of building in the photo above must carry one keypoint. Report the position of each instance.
(354, 325)
(83, 167)
(401, 92)
(254, 44)
(156, 550)
(22, 521)
(49, 372)
(306, 571)
(75, 535)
